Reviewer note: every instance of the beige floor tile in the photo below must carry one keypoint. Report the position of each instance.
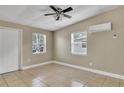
(54, 75)
(95, 83)
(111, 82)
(2, 82)
(13, 81)
(121, 83)
(30, 80)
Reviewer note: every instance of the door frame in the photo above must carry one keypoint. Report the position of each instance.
(20, 45)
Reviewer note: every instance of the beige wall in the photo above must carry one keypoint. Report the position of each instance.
(28, 57)
(106, 53)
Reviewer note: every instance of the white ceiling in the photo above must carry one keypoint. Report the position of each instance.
(33, 15)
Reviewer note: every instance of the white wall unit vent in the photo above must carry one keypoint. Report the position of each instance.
(100, 27)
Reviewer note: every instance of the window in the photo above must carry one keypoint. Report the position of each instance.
(38, 43)
(79, 43)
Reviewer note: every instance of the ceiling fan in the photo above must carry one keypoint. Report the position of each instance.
(59, 12)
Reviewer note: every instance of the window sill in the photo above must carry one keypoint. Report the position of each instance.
(79, 54)
(38, 53)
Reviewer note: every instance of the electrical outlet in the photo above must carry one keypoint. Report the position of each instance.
(115, 36)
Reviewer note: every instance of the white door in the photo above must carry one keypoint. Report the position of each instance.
(9, 50)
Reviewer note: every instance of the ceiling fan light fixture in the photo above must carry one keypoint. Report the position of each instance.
(59, 13)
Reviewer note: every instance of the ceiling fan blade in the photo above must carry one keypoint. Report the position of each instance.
(49, 14)
(57, 18)
(67, 9)
(68, 16)
(54, 8)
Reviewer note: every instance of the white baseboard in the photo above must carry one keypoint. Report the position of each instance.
(91, 70)
(77, 67)
(36, 65)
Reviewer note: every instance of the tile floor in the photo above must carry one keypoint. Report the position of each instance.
(54, 75)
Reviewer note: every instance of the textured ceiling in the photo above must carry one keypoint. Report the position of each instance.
(33, 15)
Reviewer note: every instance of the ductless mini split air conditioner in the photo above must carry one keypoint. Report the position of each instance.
(100, 27)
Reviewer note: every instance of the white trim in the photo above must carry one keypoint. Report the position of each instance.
(77, 67)
(44, 35)
(84, 53)
(36, 65)
(91, 70)
(21, 49)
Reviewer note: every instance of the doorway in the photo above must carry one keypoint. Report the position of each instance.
(9, 49)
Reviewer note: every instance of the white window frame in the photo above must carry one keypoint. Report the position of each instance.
(37, 43)
(72, 44)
